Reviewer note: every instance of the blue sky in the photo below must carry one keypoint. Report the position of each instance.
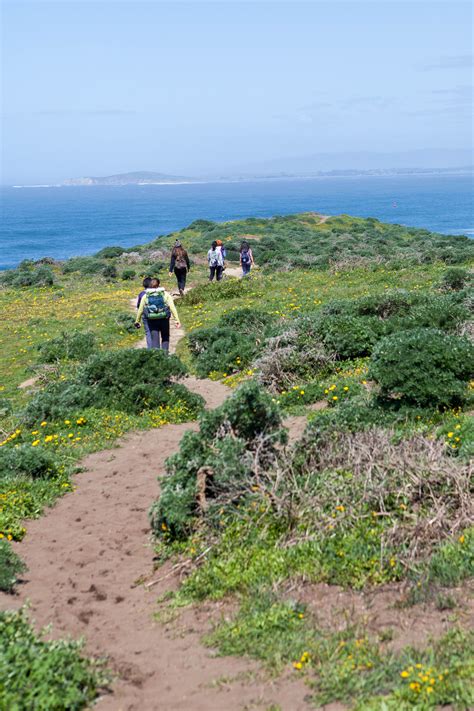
(94, 88)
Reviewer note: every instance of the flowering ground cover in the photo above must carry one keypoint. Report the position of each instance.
(336, 325)
(375, 493)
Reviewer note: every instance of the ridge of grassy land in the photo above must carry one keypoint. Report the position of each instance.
(363, 328)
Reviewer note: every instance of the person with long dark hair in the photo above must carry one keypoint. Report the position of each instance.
(180, 265)
(215, 259)
(246, 258)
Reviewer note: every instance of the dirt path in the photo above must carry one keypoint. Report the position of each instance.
(87, 558)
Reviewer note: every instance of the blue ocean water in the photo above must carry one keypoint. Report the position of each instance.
(62, 222)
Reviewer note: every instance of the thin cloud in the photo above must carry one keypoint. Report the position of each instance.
(84, 112)
(459, 61)
(367, 102)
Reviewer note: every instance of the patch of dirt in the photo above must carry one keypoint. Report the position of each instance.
(233, 272)
(296, 424)
(379, 612)
(87, 558)
(29, 383)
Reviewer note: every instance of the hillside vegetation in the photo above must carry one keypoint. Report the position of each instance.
(361, 329)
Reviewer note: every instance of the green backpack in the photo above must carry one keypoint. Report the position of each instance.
(156, 306)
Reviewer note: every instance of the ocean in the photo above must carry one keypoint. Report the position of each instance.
(61, 222)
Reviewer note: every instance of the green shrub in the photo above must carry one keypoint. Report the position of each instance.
(248, 321)
(83, 265)
(110, 271)
(348, 336)
(131, 380)
(216, 291)
(453, 562)
(442, 311)
(26, 460)
(11, 567)
(27, 275)
(126, 322)
(128, 274)
(72, 345)
(232, 440)
(155, 268)
(423, 367)
(40, 674)
(455, 278)
(110, 252)
(222, 349)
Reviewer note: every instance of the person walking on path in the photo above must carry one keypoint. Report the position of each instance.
(146, 327)
(246, 258)
(157, 307)
(215, 260)
(220, 246)
(180, 265)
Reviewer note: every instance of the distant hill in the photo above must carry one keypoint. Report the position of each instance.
(136, 178)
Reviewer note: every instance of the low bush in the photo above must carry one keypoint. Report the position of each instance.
(84, 265)
(131, 380)
(216, 291)
(248, 321)
(70, 345)
(110, 271)
(110, 252)
(11, 567)
(24, 460)
(292, 357)
(423, 367)
(221, 349)
(455, 279)
(155, 268)
(125, 321)
(348, 336)
(232, 343)
(42, 275)
(44, 674)
(128, 274)
(216, 465)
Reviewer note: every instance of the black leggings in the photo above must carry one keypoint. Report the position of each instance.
(159, 327)
(180, 273)
(218, 271)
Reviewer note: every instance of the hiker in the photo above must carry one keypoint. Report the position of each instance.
(180, 265)
(220, 245)
(146, 285)
(246, 258)
(156, 307)
(215, 259)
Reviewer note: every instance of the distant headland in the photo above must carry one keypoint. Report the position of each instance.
(134, 178)
(154, 178)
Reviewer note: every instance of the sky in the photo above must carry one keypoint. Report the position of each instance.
(203, 88)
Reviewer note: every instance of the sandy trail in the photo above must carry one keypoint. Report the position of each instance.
(87, 557)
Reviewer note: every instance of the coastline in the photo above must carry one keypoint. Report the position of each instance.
(65, 223)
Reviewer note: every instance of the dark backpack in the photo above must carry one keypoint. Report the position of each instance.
(245, 256)
(156, 306)
(180, 262)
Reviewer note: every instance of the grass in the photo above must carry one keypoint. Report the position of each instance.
(11, 567)
(349, 666)
(39, 674)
